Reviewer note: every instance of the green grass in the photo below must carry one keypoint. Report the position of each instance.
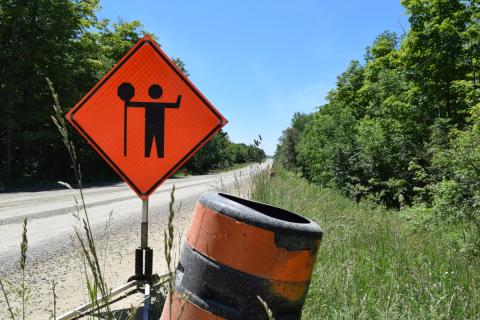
(371, 263)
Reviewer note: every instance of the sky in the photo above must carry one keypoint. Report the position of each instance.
(260, 61)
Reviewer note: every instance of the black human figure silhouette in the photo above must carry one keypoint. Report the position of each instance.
(154, 116)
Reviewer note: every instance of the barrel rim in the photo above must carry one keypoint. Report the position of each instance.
(237, 208)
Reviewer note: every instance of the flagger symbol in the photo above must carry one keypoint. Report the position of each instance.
(154, 116)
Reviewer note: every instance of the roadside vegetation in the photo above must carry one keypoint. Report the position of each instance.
(402, 127)
(372, 263)
(220, 154)
(67, 42)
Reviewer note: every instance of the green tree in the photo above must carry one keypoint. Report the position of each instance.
(240, 152)
(434, 56)
(37, 39)
(286, 153)
(328, 140)
(216, 154)
(456, 196)
(64, 41)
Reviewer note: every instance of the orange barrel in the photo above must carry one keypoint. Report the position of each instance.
(236, 250)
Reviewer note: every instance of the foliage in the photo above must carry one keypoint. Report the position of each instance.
(21, 289)
(62, 40)
(286, 153)
(215, 152)
(220, 153)
(401, 128)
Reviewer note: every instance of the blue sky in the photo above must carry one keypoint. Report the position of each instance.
(260, 61)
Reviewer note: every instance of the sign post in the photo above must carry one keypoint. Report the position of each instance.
(148, 262)
(144, 228)
(145, 119)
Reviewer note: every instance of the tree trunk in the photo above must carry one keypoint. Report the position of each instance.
(10, 103)
(7, 173)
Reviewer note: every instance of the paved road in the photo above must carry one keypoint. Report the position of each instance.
(50, 213)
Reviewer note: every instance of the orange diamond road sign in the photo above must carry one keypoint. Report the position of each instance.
(145, 118)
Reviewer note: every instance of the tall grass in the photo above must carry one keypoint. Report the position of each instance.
(96, 285)
(7, 300)
(53, 314)
(168, 236)
(23, 292)
(20, 290)
(372, 264)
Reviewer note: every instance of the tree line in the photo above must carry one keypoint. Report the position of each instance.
(402, 127)
(65, 41)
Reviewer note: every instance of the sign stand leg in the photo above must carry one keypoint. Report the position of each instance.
(146, 302)
(144, 263)
(148, 257)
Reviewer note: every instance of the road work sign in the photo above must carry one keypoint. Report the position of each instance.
(145, 118)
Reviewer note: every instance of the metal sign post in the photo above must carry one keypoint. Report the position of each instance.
(144, 231)
(143, 254)
(148, 253)
(144, 261)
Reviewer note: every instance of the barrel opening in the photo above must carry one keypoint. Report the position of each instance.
(273, 212)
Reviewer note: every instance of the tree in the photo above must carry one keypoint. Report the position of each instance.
(328, 139)
(216, 154)
(286, 153)
(64, 41)
(433, 53)
(37, 39)
(240, 152)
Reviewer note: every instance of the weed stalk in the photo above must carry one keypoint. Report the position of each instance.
(86, 239)
(23, 263)
(168, 235)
